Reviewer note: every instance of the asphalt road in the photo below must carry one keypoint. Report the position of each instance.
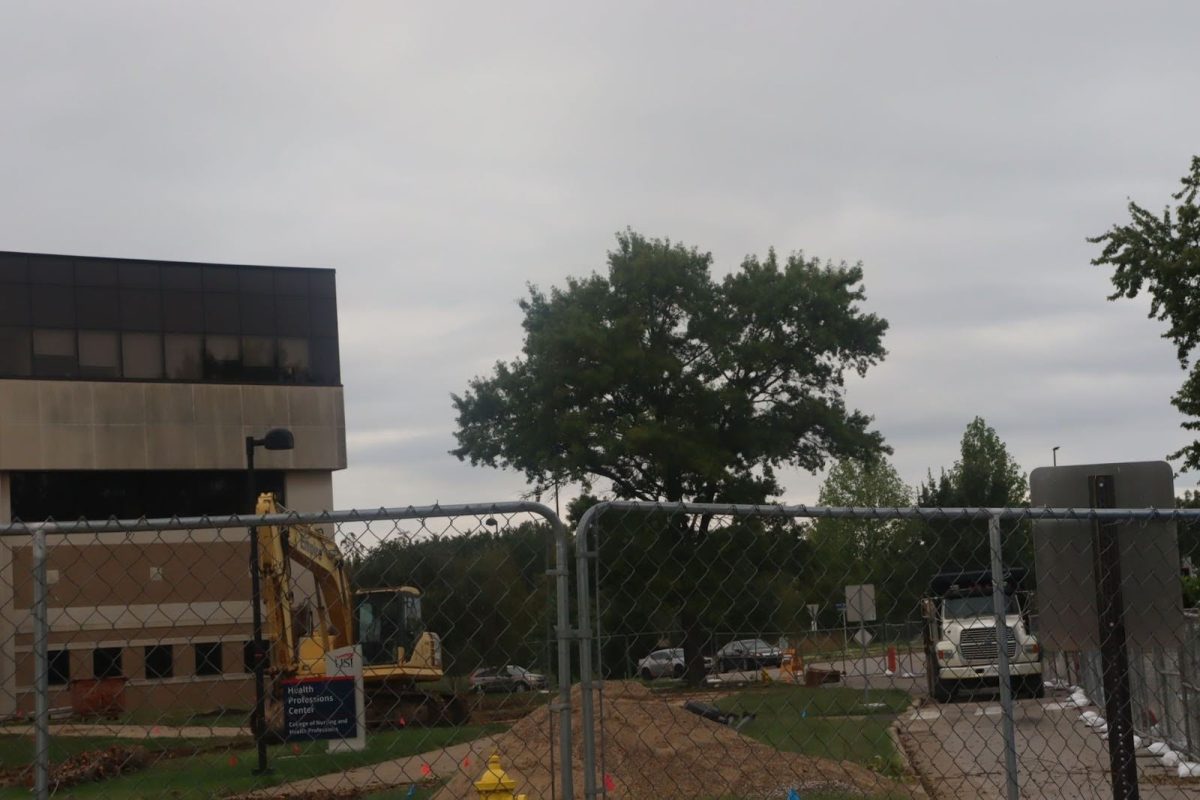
(958, 750)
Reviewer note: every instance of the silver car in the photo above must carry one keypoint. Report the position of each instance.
(748, 654)
(662, 664)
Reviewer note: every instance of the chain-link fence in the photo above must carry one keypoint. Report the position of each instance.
(667, 651)
(817, 652)
(393, 652)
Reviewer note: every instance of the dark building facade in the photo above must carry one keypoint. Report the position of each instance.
(127, 389)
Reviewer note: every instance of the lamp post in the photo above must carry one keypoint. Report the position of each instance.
(1054, 454)
(275, 439)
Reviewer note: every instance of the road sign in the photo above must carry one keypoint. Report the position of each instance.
(863, 636)
(860, 603)
(1148, 563)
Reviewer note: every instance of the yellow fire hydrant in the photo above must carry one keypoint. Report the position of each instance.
(495, 784)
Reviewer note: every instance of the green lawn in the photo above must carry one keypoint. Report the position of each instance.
(830, 722)
(228, 771)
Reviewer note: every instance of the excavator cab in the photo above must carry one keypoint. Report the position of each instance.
(388, 621)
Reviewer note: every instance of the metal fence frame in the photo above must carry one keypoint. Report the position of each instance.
(587, 550)
(37, 533)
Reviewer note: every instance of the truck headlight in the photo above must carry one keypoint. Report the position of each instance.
(1030, 647)
(945, 651)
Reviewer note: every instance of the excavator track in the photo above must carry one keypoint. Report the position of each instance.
(401, 707)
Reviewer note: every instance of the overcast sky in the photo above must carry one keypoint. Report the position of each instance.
(440, 158)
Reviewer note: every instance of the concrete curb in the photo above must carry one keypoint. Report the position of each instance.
(922, 788)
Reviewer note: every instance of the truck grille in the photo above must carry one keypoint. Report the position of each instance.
(979, 644)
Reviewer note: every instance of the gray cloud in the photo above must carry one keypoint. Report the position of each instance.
(441, 158)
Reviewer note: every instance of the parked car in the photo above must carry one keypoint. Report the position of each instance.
(662, 664)
(748, 654)
(510, 678)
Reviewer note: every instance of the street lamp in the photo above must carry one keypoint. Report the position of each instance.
(275, 439)
(1054, 454)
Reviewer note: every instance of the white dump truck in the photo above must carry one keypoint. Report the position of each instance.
(960, 635)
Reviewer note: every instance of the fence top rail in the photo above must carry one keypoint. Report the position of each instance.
(206, 522)
(781, 511)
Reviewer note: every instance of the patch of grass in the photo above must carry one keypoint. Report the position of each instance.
(828, 722)
(212, 774)
(17, 751)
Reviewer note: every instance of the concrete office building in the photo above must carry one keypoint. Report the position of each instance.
(127, 389)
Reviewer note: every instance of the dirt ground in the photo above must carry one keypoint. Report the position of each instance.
(653, 749)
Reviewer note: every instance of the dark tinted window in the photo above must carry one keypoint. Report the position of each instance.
(138, 275)
(222, 357)
(203, 322)
(208, 658)
(95, 272)
(294, 360)
(324, 316)
(291, 281)
(71, 494)
(258, 281)
(325, 368)
(14, 304)
(58, 666)
(181, 276)
(99, 354)
(184, 356)
(258, 314)
(54, 306)
(183, 312)
(12, 267)
(292, 315)
(140, 310)
(96, 307)
(142, 355)
(51, 269)
(54, 354)
(160, 661)
(221, 279)
(258, 358)
(16, 352)
(106, 662)
(321, 283)
(221, 312)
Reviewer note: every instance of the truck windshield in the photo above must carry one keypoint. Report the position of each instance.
(980, 606)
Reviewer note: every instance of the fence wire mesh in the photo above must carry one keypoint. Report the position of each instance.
(678, 651)
(144, 681)
(813, 652)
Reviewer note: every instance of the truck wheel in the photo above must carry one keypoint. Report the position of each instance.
(646, 675)
(944, 691)
(678, 671)
(1032, 686)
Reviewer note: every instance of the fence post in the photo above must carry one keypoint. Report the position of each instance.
(584, 614)
(1000, 609)
(563, 612)
(41, 637)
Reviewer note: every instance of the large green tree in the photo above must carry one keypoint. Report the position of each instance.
(985, 475)
(1161, 254)
(671, 385)
(875, 551)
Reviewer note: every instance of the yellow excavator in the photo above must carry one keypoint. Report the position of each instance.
(398, 653)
